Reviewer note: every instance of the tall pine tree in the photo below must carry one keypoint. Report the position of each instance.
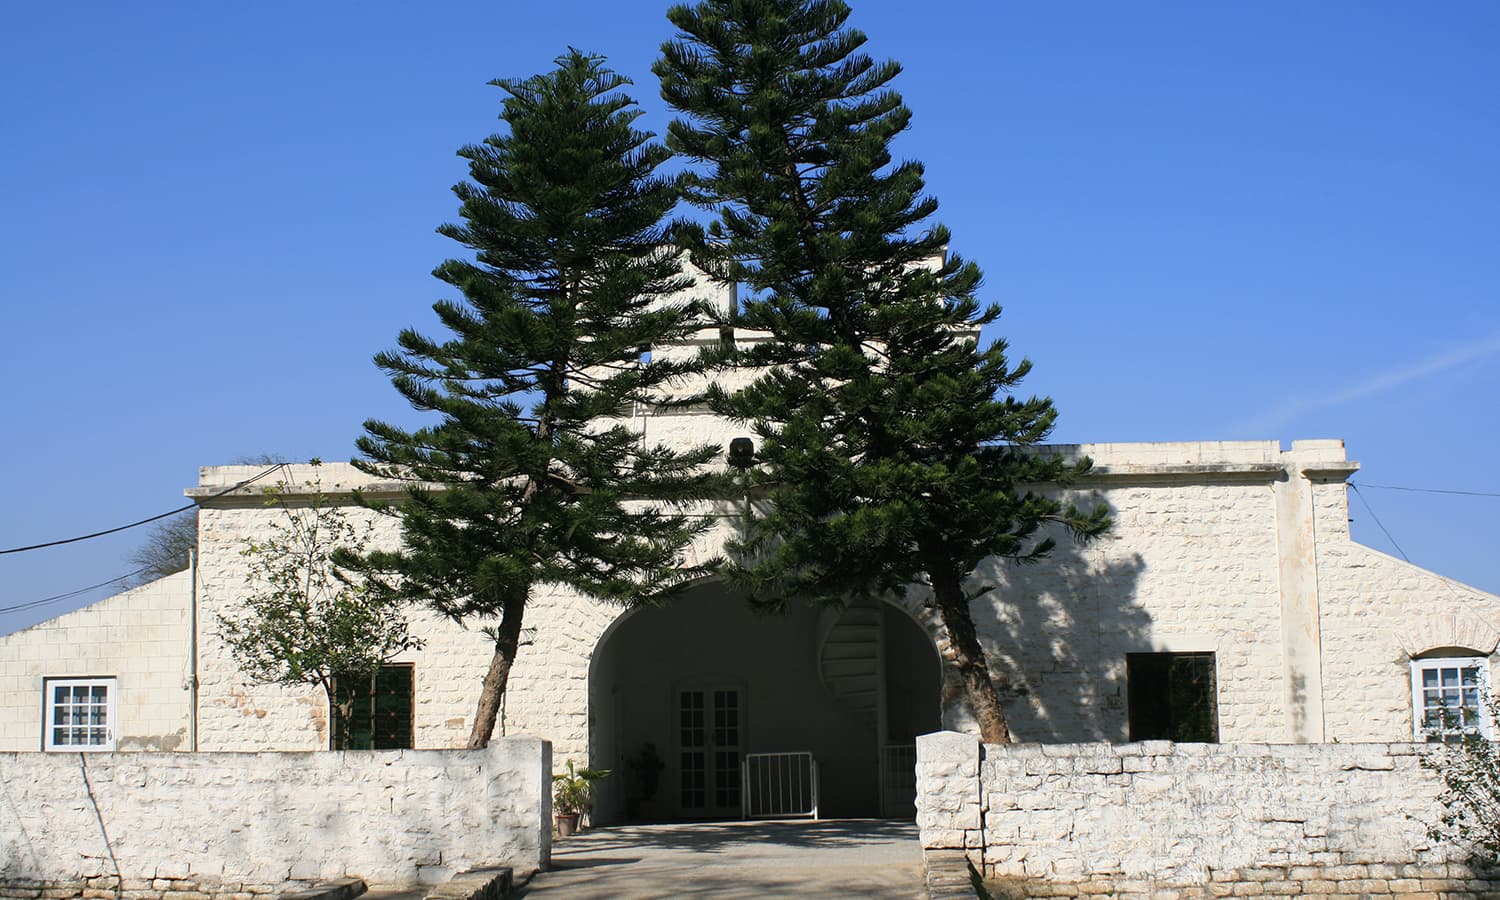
(530, 477)
(892, 450)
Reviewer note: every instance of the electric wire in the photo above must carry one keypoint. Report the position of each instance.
(1446, 581)
(1371, 510)
(1392, 487)
(64, 596)
(180, 509)
(56, 597)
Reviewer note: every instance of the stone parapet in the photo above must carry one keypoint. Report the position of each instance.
(1351, 882)
(1190, 820)
(193, 826)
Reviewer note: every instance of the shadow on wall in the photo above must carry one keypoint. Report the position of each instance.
(18, 858)
(1058, 631)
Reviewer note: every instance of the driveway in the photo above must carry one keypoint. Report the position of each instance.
(863, 858)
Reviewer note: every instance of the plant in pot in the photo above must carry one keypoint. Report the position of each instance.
(572, 795)
(645, 776)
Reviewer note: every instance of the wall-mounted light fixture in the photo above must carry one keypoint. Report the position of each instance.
(741, 453)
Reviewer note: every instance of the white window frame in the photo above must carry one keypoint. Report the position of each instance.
(50, 729)
(1480, 689)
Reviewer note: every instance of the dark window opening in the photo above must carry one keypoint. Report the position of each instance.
(380, 710)
(1172, 697)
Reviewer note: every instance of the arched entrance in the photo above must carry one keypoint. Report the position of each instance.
(680, 697)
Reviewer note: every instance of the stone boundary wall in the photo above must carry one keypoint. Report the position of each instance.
(1193, 820)
(195, 826)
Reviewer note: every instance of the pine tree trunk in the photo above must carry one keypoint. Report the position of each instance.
(972, 667)
(507, 639)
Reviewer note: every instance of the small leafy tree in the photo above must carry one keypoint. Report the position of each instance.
(304, 621)
(1470, 816)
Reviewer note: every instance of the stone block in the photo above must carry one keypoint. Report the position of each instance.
(1365, 886)
(1284, 888)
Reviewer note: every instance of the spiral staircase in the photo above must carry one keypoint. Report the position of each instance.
(849, 658)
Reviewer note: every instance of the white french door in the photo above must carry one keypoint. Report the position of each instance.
(710, 734)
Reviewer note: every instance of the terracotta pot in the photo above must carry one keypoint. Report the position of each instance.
(567, 824)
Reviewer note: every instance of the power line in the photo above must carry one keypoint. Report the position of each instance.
(180, 509)
(1371, 510)
(1392, 487)
(56, 597)
(1447, 582)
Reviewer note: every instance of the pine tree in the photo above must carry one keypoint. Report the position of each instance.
(892, 450)
(532, 476)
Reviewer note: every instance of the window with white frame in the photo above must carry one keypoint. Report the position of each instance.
(1449, 697)
(78, 714)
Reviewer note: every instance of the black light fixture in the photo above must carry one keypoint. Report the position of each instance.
(741, 453)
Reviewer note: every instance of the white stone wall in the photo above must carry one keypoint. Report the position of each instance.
(251, 822)
(1291, 819)
(1186, 567)
(140, 638)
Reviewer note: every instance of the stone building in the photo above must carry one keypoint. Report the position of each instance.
(1228, 603)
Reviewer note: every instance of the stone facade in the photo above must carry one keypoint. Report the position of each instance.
(140, 638)
(232, 824)
(1236, 551)
(1239, 549)
(1189, 820)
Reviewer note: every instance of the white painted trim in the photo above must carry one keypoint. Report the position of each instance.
(1418, 705)
(111, 719)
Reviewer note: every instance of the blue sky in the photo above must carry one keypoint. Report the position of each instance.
(1267, 220)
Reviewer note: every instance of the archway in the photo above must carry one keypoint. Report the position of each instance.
(706, 684)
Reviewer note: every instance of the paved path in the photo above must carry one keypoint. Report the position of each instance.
(846, 858)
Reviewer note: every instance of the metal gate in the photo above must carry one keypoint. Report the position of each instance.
(898, 781)
(779, 785)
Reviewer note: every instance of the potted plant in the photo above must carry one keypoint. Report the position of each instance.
(572, 795)
(645, 775)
